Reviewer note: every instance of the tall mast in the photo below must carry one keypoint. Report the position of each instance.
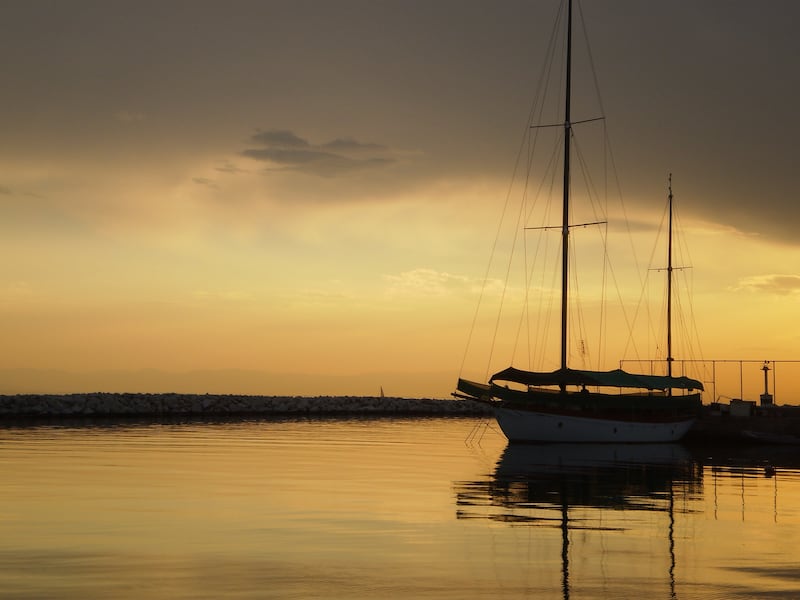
(565, 216)
(669, 287)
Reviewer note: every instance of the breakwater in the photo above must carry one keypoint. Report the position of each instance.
(780, 424)
(221, 405)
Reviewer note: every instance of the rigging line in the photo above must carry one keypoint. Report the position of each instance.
(577, 308)
(628, 322)
(536, 102)
(572, 123)
(643, 292)
(546, 309)
(603, 305)
(663, 289)
(529, 270)
(594, 196)
(645, 288)
(684, 248)
(694, 323)
(549, 168)
(608, 158)
(543, 84)
(685, 345)
(602, 344)
(601, 341)
(686, 327)
(685, 339)
(492, 254)
(590, 58)
(517, 228)
(505, 289)
(525, 315)
(682, 325)
(550, 63)
(576, 311)
(610, 164)
(547, 298)
(545, 76)
(591, 188)
(526, 307)
(542, 310)
(577, 299)
(542, 247)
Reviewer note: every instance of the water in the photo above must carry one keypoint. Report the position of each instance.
(386, 508)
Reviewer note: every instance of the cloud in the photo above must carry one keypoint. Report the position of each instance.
(222, 296)
(7, 191)
(284, 150)
(15, 289)
(206, 182)
(289, 156)
(279, 137)
(424, 282)
(351, 145)
(229, 167)
(126, 116)
(773, 283)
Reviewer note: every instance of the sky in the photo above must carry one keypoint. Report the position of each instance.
(301, 197)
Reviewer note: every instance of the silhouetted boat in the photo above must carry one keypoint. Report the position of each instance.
(557, 406)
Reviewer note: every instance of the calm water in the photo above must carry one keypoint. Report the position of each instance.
(386, 509)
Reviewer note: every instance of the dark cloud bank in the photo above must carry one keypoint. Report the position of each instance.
(284, 150)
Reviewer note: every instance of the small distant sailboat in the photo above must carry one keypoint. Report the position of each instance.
(557, 406)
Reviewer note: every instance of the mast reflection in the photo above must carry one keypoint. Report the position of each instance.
(543, 485)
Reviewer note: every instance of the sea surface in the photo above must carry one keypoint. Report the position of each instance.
(423, 508)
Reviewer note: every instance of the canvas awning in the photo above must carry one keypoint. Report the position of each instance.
(616, 378)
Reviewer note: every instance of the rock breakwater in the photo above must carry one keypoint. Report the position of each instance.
(155, 405)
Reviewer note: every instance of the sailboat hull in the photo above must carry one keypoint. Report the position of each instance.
(532, 426)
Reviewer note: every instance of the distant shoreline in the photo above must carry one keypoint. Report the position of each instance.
(101, 404)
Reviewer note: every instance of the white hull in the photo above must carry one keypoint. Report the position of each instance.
(531, 426)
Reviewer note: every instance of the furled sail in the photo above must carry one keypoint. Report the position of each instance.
(616, 378)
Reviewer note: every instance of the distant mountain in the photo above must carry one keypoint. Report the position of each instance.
(225, 381)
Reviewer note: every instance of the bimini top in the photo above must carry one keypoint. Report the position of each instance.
(617, 378)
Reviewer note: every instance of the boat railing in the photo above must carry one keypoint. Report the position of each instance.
(770, 381)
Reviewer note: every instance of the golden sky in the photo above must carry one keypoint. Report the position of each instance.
(310, 190)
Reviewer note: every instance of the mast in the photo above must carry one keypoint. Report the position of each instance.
(565, 215)
(669, 288)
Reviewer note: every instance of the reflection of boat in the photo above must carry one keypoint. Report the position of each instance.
(766, 437)
(586, 488)
(558, 406)
(544, 476)
(526, 460)
(737, 456)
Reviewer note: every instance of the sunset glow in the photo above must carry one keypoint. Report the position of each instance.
(301, 198)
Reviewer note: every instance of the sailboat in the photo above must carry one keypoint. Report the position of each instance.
(558, 406)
